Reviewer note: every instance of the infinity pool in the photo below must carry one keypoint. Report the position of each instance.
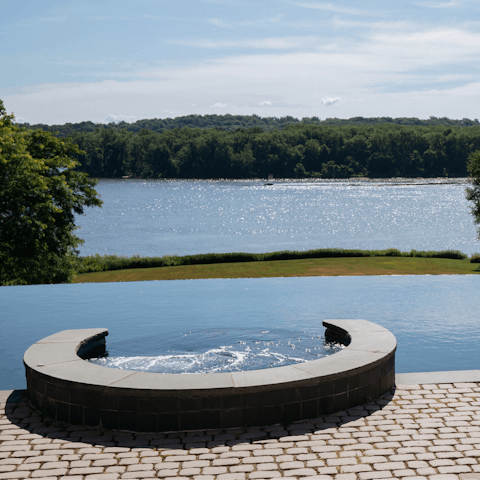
(434, 318)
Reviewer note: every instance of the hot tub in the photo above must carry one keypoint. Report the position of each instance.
(65, 386)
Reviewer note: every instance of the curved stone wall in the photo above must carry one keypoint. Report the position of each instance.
(62, 384)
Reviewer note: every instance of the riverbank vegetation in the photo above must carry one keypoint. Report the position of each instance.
(306, 267)
(251, 147)
(322, 262)
(97, 263)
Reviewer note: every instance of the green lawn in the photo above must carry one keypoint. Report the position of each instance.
(316, 267)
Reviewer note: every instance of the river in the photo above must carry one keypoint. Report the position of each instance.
(155, 218)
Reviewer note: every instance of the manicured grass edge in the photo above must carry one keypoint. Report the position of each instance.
(102, 263)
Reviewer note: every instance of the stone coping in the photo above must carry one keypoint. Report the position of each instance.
(62, 383)
(425, 378)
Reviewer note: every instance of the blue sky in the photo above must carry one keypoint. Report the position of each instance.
(70, 61)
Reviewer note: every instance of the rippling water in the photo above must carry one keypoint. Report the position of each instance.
(218, 350)
(154, 218)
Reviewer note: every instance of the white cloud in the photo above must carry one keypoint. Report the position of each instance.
(327, 101)
(51, 19)
(429, 47)
(220, 23)
(120, 118)
(333, 8)
(118, 18)
(263, 22)
(373, 26)
(396, 70)
(452, 3)
(274, 43)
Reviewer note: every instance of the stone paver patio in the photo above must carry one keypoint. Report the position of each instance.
(429, 431)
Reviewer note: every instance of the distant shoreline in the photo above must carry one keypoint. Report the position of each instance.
(353, 180)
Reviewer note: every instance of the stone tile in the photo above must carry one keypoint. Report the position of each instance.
(239, 453)
(189, 472)
(252, 460)
(117, 470)
(137, 476)
(167, 466)
(374, 475)
(302, 472)
(373, 460)
(443, 477)
(355, 468)
(231, 476)
(192, 464)
(17, 474)
(214, 470)
(456, 469)
(225, 461)
(11, 468)
(54, 465)
(242, 468)
(441, 463)
(403, 473)
(290, 465)
(389, 466)
(267, 466)
(167, 473)
(49, 473)
(264, 475)
(341, 461)
(86, 471)
(141, 467)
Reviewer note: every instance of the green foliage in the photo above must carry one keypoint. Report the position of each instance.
(40, 192)
(98, 263)
(298, 151)
(475, 258)
(230, 146)
(251, 122)
(473, 193)
(453, 254)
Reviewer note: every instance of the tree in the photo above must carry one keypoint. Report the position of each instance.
(473, 194)
(40, 193)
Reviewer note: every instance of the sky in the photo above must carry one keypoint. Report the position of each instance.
(110, 60)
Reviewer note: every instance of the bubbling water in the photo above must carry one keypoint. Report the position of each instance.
(200, 351)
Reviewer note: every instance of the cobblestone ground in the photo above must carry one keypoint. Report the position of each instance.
(421, 431)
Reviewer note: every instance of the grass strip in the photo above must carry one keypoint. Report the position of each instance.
(98, 263)
(307, 267)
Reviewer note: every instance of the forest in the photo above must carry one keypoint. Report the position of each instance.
(234, 122)
(284, 148)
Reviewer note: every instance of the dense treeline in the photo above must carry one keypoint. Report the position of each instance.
(299, 151)
(234, 122)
